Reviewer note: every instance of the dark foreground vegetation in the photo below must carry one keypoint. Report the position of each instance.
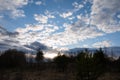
(83, 66)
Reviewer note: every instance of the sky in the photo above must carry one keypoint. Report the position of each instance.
(60, 24)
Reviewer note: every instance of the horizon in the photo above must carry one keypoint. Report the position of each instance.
(52, 53)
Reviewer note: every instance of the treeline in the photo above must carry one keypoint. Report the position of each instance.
(89, 66)
(12, 58)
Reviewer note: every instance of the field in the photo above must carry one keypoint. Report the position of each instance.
(48, 71)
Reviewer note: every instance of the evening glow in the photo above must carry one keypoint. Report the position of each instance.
(50, 55)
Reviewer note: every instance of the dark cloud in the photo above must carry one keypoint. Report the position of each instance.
(12, 34)
(4, 32)
(37, 46)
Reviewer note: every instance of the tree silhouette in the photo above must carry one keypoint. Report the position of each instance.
(61, 62)
(118, 63)
(90, 67)
(39, 56)
(12, 58)
(100, 62)
(84, 66)
(99, 57)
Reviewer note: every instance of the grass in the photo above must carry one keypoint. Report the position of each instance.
(48, 72)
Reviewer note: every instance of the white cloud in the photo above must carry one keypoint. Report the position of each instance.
(66, 14)
(38, 2)
(30, 27)
(102, 44)
(17, 13)
(46, 33)
(71, 18)
(69, 13)
(118, 16)
(103, 15)
(49, 14)
(12, 7)
(100, 22)
(77, 6)
(1, 16)
(41, 18)
(72, 34)
(79, 16)
(84, 19)
(38, 32)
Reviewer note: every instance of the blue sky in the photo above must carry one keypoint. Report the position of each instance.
(61, 23)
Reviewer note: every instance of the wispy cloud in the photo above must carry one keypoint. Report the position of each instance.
(17, 13)
(38, 2)
(102, 44)
(30, 27)
(41, 18)
(49, 14)
(77, 6)
(66, 14)
(12, 7)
